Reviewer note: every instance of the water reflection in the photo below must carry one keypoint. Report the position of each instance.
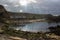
(37, 27)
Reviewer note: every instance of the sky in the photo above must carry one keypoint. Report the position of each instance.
(32, 6)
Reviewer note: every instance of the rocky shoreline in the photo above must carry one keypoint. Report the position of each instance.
(44, 37)
(7, 37)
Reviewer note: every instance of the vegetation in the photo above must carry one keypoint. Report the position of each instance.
(27, 35)
(53, 19)
(22, 34)
(55, 30)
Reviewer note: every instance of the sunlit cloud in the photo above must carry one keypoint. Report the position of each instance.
(21, 10)
(26, 2)
(23, 2)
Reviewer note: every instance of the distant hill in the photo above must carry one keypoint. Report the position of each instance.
(21, 15)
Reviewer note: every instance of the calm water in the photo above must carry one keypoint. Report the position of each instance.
(37, 26)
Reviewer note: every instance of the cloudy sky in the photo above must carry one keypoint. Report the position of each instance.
(33, 6)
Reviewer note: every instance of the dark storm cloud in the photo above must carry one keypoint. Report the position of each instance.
(42, 6)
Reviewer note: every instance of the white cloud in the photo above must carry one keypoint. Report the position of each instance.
(5, 5)
(16, 5)
(21, 10)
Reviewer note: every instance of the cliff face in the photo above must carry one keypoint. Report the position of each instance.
(3, 12)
